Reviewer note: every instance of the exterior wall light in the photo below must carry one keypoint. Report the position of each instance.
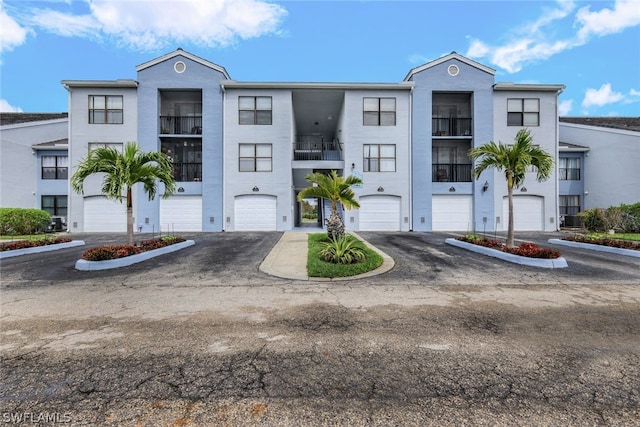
(485, 187)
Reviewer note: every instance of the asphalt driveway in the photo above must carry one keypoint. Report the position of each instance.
(202, 337)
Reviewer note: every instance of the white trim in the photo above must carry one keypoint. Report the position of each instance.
(452, 55)
(232, 84)
(187, 55)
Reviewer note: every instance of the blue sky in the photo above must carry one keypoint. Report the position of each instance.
(592, 47)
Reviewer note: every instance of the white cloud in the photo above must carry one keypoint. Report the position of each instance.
(565, 107)
(5, 107)
(602, 96)
(625, 13)
(634, 92)
(150, 25)
(12, 34)
(534, 42)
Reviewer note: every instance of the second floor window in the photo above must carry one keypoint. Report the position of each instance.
(255, 157)
(569, 169)
(379, 112)
(379, 158)
(105, 109)
(55, 167)
(523, 112)
(254, 110)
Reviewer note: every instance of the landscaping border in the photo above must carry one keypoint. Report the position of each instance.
(517, 259)
(84, 265)
(594, 247)
(38, 249)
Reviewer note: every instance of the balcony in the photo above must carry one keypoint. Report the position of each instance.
(317, 150)
(451, 126)
(451, 172)
(187, 172)
(180, 125)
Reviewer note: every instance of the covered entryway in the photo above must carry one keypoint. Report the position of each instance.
(255, 213)
(528, 213)
(181, 213)
(379, 213)
(452, 213)
(104, 215)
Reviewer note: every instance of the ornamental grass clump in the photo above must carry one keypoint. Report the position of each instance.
(343, 250)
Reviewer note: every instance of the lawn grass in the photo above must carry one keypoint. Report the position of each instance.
(621, 236)
(29, 237)
(316, 267)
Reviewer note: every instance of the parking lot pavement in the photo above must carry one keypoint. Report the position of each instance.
(203, 337)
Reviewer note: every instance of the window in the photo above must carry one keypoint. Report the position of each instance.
(523, 112)
(105, 109)
(186, 157)
(569, 169)
(254, 110)
(55, 167)
(379, 112)
(255, 157)
(569, 205)
(379, 158)
(55, 205)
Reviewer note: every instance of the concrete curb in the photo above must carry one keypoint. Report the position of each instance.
(84, 265)
(599, 248)
(517, 259)
(39, 249)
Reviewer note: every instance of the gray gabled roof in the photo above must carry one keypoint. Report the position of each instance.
(18, 118)
(452, 55)
(192, 57)
(623, 123)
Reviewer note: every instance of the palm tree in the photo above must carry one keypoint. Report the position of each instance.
(123, 171)
(513, 160)
(336, 189)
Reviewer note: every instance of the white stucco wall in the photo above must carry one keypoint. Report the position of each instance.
(611, 166)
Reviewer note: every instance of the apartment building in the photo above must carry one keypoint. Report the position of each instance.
(241, 150)
(34, 162)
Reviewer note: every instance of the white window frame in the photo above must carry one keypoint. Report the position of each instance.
(377, 158)
(255, 157)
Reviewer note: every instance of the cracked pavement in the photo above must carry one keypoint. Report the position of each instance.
(202, 337)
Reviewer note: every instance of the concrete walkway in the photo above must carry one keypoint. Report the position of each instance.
(288, 259)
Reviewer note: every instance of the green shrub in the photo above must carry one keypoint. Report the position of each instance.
(630, 218)
(317, 267)
(20, 221)
(593, 219)
(344, 250)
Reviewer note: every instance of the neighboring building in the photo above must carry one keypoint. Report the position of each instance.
(597, 164)
(34, 162)
(241, 150)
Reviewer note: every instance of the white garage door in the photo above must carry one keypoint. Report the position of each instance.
(380, 213)
(255, 213)
(452, 213)
(181, 213)
(104, 215)
(527, 213)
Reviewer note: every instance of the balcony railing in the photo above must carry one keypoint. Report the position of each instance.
(451, 172)
(187, 172)
(452, 126)
(317, 150)
(180, 125)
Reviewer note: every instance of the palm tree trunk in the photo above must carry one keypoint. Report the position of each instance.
(510, 231)
(129, 217)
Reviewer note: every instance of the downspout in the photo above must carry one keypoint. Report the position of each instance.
(411, 180)
(70, 160)
(224, 147)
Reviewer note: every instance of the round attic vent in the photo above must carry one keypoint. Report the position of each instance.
(179, 67)
(453, 70)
